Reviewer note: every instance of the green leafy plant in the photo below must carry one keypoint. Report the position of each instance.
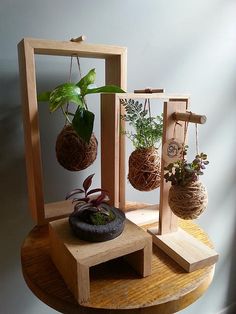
(91, 208)
(182, 172)
(147, 129)
(81, 119)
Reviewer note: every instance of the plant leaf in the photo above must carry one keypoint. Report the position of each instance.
(97, 190)
(104, 89)
(45, 96)
(97, 201)
(87, 183)
(86, 81)
(68, 92)
(74, 192)
(83, 123)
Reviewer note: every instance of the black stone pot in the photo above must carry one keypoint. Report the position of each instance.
(98, 233)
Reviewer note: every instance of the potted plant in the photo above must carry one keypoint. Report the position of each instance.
(76, 145)
(144, 162)
(187, 195)
(93, 218)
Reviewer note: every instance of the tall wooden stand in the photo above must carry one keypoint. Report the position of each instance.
(187, 251)
(115, 73)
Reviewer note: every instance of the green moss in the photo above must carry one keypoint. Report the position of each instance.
(99, 218)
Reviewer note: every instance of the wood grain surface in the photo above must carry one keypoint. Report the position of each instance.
(115, 287)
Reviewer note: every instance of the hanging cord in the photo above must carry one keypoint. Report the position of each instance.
(174, 130)
(150, 118)
(79, 67)
(69, 79)
(80, 76)
(186, 123)
(66, 110)
(147, 106)
(197, 140)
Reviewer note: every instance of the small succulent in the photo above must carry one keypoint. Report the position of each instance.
(148, 129)
(182, 172)
(90, 207)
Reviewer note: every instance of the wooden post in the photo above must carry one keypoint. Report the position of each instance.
(112, 144)
(110, 147)
(31, 130)
(168, 222)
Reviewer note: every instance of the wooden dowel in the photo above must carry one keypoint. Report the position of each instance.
(149, 90)
(79, 39)
(189, 117)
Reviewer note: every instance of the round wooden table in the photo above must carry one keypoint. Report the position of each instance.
(115, 287)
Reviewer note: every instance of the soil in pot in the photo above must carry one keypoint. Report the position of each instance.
(94, 227)
(145, 169)
(188, 201)
(72, 152)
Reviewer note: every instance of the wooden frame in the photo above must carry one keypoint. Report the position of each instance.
(115, 73)
(172, 103)
(187, 251)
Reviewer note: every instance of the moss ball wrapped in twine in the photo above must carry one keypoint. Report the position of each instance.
(145, 169)
(72, 152)
(188, 201)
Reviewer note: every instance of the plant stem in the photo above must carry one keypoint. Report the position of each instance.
(66, 116)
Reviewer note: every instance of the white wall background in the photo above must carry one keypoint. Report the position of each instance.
(184, 46)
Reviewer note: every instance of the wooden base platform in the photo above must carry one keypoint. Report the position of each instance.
(186, 250)
(74, 257)
(114, 286)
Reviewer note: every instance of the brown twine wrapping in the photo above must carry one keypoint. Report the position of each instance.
(189, 201)
(72, 152)
(145, 169)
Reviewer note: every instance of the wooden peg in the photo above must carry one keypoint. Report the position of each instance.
(149, 90)
(189, 117)
(79, 39)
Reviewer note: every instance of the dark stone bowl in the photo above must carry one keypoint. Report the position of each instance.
(98, 233)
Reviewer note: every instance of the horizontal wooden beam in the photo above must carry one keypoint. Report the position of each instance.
(149, 90)
(189, 117)
(161, 96)
(69, 48)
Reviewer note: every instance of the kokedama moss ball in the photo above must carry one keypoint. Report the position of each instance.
(72, 152)
(188, 201)
(145, 169)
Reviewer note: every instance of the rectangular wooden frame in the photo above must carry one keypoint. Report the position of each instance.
(187, 251)
(115, 73)
(172, 103)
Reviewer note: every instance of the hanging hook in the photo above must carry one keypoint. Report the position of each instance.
(79, 39)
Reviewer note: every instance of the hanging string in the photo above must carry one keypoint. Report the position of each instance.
(150, 118)
(174, 129)
(65, 111)
(80, 76)
(197, 140)
(186, 124)
(67, 105)
(79, 67)
(70, 72)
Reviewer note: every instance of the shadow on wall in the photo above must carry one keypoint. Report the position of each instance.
(15, 216)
